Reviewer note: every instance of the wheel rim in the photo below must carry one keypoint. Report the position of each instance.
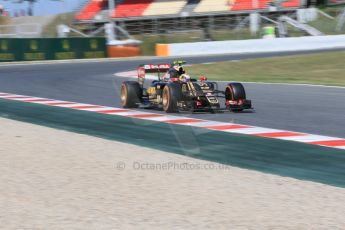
(123, 95)
(165, 98)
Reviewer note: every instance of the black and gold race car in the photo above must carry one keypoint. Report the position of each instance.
(175, 91)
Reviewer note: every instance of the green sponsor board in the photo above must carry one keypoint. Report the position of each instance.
(35, 49)
(65, 48)
(8, 50)
(79, 48)
(93, 48)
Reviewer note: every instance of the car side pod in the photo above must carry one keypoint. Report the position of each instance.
(235, 97)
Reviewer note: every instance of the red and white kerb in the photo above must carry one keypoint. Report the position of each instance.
(307, 138)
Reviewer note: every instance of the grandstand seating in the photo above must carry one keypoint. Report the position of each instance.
(240, 5)
(139, 8)
(132, 8)
(291, 3)
(91, 9)
(164, 7)
(212, 6)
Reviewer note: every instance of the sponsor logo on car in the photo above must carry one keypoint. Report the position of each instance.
(159, 66)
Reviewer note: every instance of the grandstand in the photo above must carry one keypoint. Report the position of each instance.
(91, 9)
(212, 6)
(291, 4)
(168, 16)
(165, 7)
(126, 9)
(131, 8)
(242, 5)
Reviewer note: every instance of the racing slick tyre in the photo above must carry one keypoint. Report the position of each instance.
(171, 96)
(131, 93)
(235, 91)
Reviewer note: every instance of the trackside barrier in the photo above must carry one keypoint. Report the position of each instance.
(27, 49)
(123, 51)
(252, 46)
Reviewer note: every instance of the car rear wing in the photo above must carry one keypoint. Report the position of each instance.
(155, 68)
(151, 68)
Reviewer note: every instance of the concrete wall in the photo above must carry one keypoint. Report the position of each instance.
(252, 46)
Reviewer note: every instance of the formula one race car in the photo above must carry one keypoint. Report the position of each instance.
(175, 91)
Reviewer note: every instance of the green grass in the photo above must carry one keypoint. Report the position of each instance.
(327, 25)
(323, 69)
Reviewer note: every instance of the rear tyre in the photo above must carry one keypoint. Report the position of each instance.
(235, 91)
(171, 96)
(131, 94)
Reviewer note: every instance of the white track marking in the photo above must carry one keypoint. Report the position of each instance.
(133, 74)
(26, 98)
(309, 138)
(162, 118)
(73, 61)
(15, 97)
(289, 84)
(252, 131)
(208, 123)
(73, 105)
(49, 101)
(98, 109)
(129, 113)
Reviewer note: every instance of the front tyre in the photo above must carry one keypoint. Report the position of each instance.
(131, 94)
(235, 92)
(171, 96)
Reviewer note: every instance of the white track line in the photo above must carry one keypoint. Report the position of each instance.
(252, 131)
(133, 74)
(310, 138)
(208, 123)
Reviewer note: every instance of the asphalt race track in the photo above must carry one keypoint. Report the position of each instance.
(311, 109)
